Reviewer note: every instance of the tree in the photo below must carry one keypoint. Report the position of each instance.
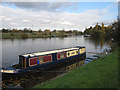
(96, 27)
(47, 32)
(115, 31)
(75, 32)
(4, 30)
(40, 31)
(70, 31)
(25, 30)
(31, 31)
(103, 29)
(54, 30)
(96, 34)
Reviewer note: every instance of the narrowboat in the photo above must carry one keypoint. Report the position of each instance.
(87, 35)
(45, 60)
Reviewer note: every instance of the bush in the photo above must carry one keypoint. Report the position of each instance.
(12, 34)
(97, 34)
(24, 35)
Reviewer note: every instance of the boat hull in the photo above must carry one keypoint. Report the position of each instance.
(46, 66)
(38, 62)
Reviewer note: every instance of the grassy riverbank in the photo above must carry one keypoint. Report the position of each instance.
(29, 35)
(13, 34)
(101, 73)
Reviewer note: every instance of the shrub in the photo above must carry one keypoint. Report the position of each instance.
(24, 35)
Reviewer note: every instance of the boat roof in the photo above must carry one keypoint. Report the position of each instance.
(49, 52)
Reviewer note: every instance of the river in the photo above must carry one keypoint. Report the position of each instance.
(12, 48)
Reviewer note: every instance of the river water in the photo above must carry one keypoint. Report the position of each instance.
(12, 48)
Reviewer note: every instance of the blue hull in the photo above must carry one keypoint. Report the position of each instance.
(48, 65)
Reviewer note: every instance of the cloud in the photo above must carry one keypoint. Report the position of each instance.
(48, 6)
(13, 23)
(8, 19)
(66, 23)
(26, 20)
(60, 0)
(108, 22)
(2, 16)
(21, 18)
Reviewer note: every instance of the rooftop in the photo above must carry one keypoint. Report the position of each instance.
(49, 52)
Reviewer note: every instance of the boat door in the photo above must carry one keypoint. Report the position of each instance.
(23, 62)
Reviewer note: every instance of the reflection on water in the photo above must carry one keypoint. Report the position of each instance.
(99, 42)
(12, 48)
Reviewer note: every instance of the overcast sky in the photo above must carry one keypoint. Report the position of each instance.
(57, 15)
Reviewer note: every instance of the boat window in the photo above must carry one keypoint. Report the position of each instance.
(32, 61)
(23, 63)
(62, 55)
(68, 53)
(82, 50)
(76, 51)
(47, 58)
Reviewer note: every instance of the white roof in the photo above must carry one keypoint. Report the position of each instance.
(49, 52)
(26, 55)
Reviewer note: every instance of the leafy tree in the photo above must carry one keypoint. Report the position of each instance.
(70, 31)
(115, 31)
(40, 31)
(47, 32)
(31, 31)
(25, 30)
(103, 28)
(4, 30)
(96, 27)
(75, 32)
(54, 31)
(96, 34)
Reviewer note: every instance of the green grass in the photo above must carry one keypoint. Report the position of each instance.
(29, 35)
(10, 35)
(102, 73)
